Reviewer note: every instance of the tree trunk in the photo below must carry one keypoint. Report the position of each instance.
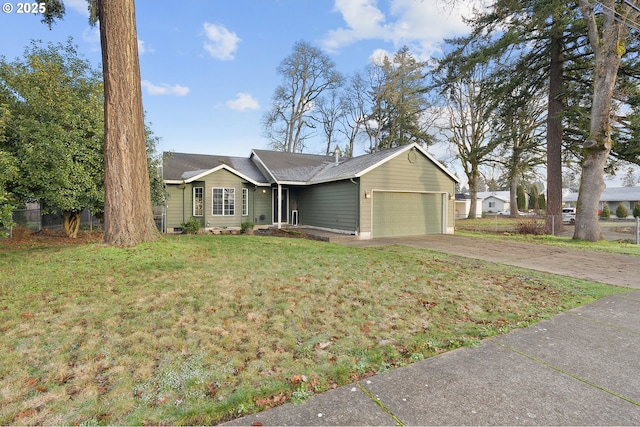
(513, 196)
(591, 187)
(608, 48)
(72, 223)
(128, 213)
(473, 178)
(553, 222)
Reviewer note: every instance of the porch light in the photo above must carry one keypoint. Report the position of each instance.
(367, 194)
(264, 191)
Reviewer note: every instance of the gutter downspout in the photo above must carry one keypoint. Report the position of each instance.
(183, 186)
(357, 183)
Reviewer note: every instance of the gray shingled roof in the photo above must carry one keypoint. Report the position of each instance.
(613, 194)
(284, 167)
(292, 167)
(183, 166)
(312, 168)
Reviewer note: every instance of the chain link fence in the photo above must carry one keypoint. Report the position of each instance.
(35, 221)
(625, 230)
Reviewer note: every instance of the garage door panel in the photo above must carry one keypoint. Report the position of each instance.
(406, 214)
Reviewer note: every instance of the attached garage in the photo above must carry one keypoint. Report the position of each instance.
(400, 213)
(401, 191)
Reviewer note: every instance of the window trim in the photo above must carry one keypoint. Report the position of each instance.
(245, 202)
(227, 203)
(201, 197)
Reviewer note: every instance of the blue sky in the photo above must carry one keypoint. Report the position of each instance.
(208, 67)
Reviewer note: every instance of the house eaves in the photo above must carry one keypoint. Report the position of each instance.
(403, 149)
(203, 173)
(260, 165)
(317, 169)
(180, 168)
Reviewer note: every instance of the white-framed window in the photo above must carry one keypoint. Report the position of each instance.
(492, 204)
(198, 201)
(223, 201)
(245, 201)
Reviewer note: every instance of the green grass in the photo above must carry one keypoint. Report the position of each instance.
(202, 329)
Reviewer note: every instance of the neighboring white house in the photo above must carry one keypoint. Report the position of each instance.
(463, 205)
(614, 196)
(495, 201)
(487, 202)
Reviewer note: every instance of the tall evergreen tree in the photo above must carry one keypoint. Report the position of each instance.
(399, 104)
(529, 38)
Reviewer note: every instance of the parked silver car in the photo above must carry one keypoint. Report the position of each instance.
(569, 215)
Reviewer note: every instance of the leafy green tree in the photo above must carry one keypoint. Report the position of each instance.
(55, 131)
(8, 168)
(128, 212)
(8, 171)
(154, 161)
(59, 150)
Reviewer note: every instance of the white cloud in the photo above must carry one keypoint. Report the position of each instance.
(421, 25)
(144, 48)
(364, 21)
(221, 43)
(243, 101)
(378, 55)
(164, 89)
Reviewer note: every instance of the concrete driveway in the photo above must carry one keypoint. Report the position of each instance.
(620, 270)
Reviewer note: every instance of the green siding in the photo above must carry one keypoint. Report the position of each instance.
(406, 214)
(177, 211)
(402, 175)
(259, 206)
(180, 203)
(332, 205)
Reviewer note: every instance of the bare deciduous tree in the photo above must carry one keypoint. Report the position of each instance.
(306, 73)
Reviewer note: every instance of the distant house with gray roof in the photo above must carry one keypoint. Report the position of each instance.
(614, 196)
(400, 191)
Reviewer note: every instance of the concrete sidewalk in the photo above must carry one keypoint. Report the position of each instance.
(581, 367)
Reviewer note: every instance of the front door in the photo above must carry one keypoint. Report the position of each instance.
(284, 203)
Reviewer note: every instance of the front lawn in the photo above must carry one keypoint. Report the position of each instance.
(202, 329)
